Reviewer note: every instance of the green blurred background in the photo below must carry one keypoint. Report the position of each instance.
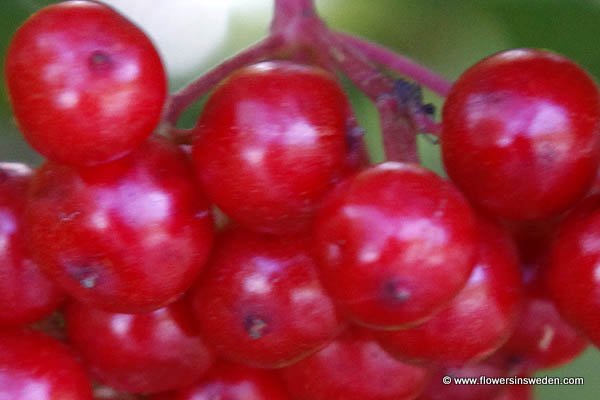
(446, 35)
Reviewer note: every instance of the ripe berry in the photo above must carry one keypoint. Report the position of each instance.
(127, 236)
(353, 367)
(395, 244)
(149, 352)
(260, 302)
(573, 275)
(269, 142)
(232, 382)
(520, 133)
(86, 85)
(542, 339)
(35, 366)
(26, 294)
(478, 320)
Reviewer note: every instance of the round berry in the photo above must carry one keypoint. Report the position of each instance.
(354, 367)
(149, 352)
(36, 366)
(26, 293)
(520, 133)
(232, 382)
(572, 276)
(269, 142)
(86, 85)
(126, 236)
(478, 320)
(395, 244)
(260, 301)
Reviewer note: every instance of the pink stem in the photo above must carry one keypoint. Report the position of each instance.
(179, 101)
(398, 63)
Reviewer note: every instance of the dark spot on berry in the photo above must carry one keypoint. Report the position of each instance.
(86, 272)
(396, 291)
(256, 327)
(99, 61)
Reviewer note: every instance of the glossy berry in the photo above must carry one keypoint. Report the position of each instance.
(232, 382)
(139, 353)
(260, 302)
(478, 320)
(86, 85)
(353, 367)
(520, 133)
(26, 294)
(395, 244)
(269, 142)
(35, 366)
(542, 339)
(126, 236)
(573, 275)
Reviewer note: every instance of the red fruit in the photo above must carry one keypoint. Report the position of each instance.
(269, 143)
(35, 366)
(139, 353)
(542, 339)
(26, 294)
(478, 320)
(395, 244)
(353, 367)
(86, 85)
(520, 133)
(126, 236)
(232, 382)
(260, 302)
(572, 277)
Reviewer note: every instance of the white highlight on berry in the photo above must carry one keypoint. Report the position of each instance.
(257, 284)
(597, 272)
(547, 336)
(67, 99)
(121, 324)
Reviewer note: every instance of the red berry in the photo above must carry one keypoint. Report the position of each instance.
(232, 382)
(26, 294)
(270, 140)
(520, 133)
(126, 236)
(260, 302)
(573, 275)
(86, 85)
(478, 320)
(353, 367)
(542, 339)
(395, 243)
(35, 366)
(139, 353)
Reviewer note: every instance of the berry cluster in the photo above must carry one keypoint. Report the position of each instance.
(260, 255)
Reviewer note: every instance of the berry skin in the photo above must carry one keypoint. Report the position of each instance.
(232, 382)
(478, 320)
(26, 294)
(353, 367)
(35, 366)
(520, 133)
(260, 302)
(269, 142)
(542, 339)
(126, 236)
(149, 352)
(395, 244)
(572, 277)
(86, 85)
